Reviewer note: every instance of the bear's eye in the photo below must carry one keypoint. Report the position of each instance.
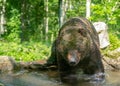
(82, 32)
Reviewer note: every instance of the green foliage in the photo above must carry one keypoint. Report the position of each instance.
(78, 9)
(114, 40)
(13, 25)
(110, 51)
(32, 17)
(26, 51)
(107, 11)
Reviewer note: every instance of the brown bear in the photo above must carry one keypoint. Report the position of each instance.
(76, 48)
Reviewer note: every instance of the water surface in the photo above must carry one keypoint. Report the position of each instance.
(51, 78)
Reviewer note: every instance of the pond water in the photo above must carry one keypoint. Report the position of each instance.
(50, 78)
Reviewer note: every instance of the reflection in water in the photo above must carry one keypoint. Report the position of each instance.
(51, 78)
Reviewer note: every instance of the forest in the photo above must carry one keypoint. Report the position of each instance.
(28, 28)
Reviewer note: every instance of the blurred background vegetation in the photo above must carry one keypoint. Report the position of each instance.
(28, 28)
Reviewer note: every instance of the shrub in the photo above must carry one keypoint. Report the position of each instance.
(26, 51)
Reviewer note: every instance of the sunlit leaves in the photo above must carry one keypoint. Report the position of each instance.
(26, 51)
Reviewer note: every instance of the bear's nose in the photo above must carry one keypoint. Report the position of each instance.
(72, 63)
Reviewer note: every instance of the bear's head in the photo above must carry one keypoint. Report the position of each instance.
(74, 44)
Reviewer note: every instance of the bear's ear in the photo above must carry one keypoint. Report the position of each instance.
(82, 31)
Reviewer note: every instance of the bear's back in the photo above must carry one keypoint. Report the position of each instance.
(81, 22)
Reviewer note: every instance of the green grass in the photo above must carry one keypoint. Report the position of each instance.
(114, 40)
(26, 51)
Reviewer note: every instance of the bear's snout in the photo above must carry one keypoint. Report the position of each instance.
(72, 62)
(73, 58)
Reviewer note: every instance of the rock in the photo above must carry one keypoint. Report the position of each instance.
(101, 29)
(34, 65)
(112, 63)
(37, 65)
(7, 64)
(114, 54)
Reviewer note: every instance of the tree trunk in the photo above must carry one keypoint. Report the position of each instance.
(63, 7)
(46, 20)
(60, 12)
(24, 31)
(2, 17)
(88, 8)
(69, 5)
